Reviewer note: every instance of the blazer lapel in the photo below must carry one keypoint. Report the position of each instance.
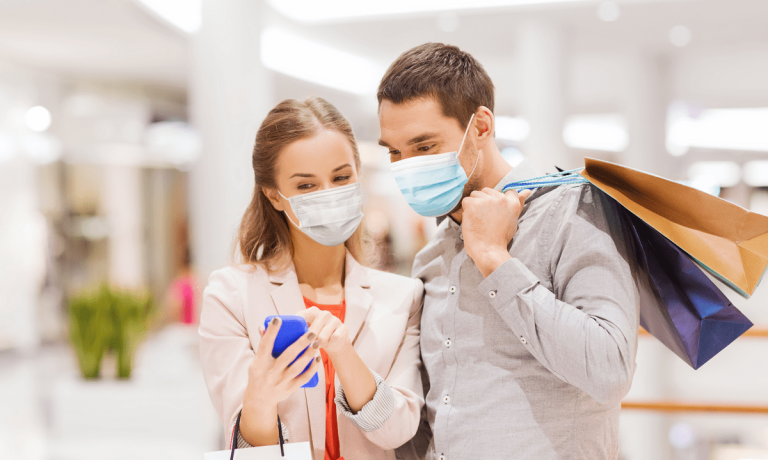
(358, 298)
(287, 297)
(288, 300)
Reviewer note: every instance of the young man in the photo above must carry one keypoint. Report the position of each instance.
(530, 320)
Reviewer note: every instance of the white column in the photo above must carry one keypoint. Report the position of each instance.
(230, 95)
(123, 199)
(541, 67)
(644, 103)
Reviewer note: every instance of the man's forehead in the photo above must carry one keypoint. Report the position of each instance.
(401, 121)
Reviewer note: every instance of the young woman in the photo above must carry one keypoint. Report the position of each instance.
(301, 251)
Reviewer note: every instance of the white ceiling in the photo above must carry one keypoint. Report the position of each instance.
(110, 39)
(116, 39)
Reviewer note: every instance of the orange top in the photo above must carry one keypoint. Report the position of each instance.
(332, 450)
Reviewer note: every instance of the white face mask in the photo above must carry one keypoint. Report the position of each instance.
(329, 216)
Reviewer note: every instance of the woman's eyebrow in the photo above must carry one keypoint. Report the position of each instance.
(301, 175)
(347, 165)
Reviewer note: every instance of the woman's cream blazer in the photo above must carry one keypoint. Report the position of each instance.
(383, 315)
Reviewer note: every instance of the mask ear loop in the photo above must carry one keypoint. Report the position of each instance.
(286, 212)
(477, 160)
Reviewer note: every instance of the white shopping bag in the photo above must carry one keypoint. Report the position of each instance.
(293, 451)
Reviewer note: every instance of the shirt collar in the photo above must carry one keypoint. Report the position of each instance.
(524, 170)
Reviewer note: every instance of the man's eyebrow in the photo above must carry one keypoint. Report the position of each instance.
(422, 138)
(347, 165)
(302, 175)
(415, 140)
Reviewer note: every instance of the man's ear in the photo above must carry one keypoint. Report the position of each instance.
(485, 124)
(273, 197)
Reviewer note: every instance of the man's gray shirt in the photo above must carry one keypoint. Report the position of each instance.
(533, 361)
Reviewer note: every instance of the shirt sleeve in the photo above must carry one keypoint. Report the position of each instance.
(242, 443)
(375, 412)
(585, 329)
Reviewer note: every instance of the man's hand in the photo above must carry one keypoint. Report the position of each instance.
(489, 222)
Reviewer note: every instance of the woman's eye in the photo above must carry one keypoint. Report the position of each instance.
(341, 178)
(305, 186)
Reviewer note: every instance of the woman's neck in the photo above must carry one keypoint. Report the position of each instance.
(318, 267)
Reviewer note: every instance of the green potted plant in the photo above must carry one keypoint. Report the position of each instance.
(107, 319)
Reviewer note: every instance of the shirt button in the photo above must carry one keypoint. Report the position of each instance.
(446, 399)
(448, 343)
(452, 289)
(522, 339)
(442, 457)
(492, 294)
(461, 237)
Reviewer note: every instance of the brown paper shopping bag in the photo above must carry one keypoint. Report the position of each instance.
(725, 239)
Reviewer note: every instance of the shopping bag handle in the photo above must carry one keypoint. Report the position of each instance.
(571, 177)
(237, 431)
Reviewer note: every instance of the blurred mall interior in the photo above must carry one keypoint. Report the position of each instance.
(126, 130)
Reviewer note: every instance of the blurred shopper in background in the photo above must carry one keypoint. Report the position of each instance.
(301, 253)
(182, 300)
(528, 343)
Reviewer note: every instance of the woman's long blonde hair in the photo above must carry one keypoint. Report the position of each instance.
(264, 237)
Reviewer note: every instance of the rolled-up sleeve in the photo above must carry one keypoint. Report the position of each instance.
(392, 417)
(585, 329)
(375, 412)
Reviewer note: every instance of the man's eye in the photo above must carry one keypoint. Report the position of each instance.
(394, 152)
(425, 147)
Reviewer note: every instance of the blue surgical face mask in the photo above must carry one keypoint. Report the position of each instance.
(433, 184)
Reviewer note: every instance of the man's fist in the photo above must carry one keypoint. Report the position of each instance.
(489, 222)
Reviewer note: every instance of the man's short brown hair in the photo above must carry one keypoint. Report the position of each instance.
(443, 72)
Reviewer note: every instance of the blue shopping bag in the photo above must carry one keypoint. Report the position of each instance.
(683, 308)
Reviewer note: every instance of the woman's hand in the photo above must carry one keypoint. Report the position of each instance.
(331, 332)
(272, 380)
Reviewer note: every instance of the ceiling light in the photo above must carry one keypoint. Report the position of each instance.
(448, 21)
(514, 129)
(732, 129)
(680, 36)
(608, 11)
(606, 132)
(320, 64)
(329, 10)
(722, 173)
(185, 15)
(37, 119)
(756, 173)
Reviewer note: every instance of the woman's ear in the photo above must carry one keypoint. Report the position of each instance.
(485, 124)
(273, 197)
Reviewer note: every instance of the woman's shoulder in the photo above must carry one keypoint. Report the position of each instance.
(237, 276)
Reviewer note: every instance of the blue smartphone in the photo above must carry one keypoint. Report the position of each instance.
(292, 329)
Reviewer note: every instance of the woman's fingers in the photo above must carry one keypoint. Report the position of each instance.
(325, 334)
(295, 349)
(296, 368)
(307, 375)
(310, 314)
(267, 341)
